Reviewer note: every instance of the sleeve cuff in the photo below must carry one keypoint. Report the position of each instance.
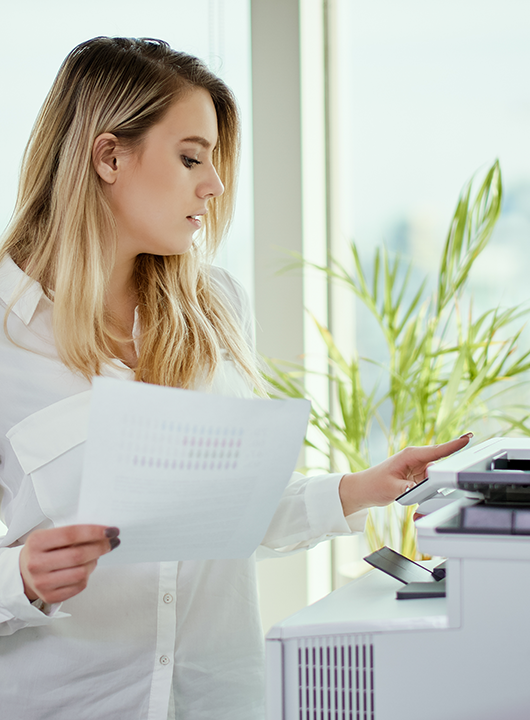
(357, 521)
(324, 508)
(45, 608)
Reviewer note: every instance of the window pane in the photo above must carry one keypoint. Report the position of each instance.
(431, 93)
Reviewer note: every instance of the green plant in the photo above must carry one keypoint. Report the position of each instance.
(445, 369)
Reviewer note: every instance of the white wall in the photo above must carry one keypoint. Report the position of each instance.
(290, 214)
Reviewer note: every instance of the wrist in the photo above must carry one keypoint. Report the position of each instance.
(28, 592)
(39, 604)
(352, 493)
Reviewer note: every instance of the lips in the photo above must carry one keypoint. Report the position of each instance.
(195, 220)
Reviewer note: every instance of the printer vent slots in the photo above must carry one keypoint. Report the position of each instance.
(336, 678)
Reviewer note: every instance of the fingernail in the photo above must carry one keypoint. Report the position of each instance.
(114, 542)
(469, 435)
(112, 532)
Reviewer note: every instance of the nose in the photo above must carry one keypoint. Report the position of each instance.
(211, 186)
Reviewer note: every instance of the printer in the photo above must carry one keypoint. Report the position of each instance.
(361, 653)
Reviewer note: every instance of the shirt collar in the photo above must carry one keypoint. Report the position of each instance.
(14, 280)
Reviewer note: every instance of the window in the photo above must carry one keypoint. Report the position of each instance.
(428, 94)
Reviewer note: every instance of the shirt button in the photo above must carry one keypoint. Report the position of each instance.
(164, 660)
(168, 598)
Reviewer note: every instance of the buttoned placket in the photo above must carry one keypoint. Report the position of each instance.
(166, 628)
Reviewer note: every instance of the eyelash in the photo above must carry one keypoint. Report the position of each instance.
(189, 162)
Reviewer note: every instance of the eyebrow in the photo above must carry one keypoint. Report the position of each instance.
(197, 139)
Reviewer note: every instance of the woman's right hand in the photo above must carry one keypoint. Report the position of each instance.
(55, 564)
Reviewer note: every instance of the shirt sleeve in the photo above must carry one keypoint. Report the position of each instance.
(42, 450)
(309, 512)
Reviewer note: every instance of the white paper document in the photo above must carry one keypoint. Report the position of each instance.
(186, 475)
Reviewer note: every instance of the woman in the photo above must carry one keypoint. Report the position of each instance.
(102, 271)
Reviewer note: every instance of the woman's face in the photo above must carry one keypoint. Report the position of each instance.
(160, 192)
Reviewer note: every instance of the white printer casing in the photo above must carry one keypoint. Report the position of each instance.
(361, 654)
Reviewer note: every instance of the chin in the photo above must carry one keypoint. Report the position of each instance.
(174, 248)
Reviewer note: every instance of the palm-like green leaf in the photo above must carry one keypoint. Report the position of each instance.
(443, 366)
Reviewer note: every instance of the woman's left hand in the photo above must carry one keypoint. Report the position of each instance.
(382, 484)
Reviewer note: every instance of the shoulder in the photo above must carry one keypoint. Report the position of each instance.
(231, 289)
(234, 296)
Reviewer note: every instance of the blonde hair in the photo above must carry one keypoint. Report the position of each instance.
(63, 232)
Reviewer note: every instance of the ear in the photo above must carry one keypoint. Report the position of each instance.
(105, 157)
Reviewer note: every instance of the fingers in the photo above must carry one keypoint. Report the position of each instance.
(72, 576)
(55, 564)
(424, 456)
(452, 446)
(413, 462)
(67, 536)
(60, 585)
(71, 556)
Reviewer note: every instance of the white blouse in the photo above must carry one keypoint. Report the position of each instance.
(146, 641)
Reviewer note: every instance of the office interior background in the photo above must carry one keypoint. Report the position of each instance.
(362, 119)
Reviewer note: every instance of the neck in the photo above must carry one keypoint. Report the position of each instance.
(121, 297)
(121, 302)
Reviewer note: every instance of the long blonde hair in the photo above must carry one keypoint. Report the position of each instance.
(63, 232)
